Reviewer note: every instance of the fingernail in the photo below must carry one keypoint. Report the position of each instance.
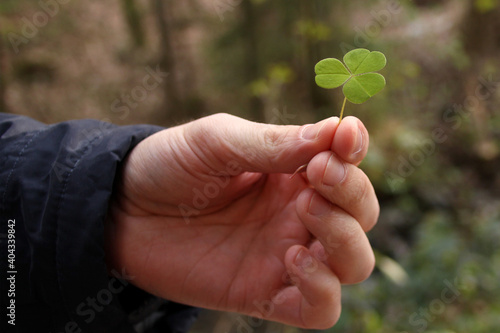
(310, 132)
(359, 142)
(334, 172)
(318, 206)
(305, 262)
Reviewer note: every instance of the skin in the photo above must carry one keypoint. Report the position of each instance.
(259, 243)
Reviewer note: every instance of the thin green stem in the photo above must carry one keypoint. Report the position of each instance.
(342, 111)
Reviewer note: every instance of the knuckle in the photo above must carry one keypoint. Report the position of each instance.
(325, 314)
(220, 117)
(360, 190)
(350, 239)
(273, 143)
(328, 320)
(273, 138)
(205, 129)
(362, 273)
(348, 235)
(367, 269)
(333, 317)
(363, 201)
(372, 218)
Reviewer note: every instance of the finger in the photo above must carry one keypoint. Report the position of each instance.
(258, 147)
(345, 247)
(346, 186)
(351, 140)
(313, 301)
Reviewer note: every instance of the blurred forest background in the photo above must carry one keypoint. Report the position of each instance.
(434, 157)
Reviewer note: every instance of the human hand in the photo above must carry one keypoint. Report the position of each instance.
(206, 214)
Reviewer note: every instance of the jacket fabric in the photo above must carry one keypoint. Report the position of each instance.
(55, 185)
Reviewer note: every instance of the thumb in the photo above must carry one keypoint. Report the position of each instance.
(257, 147)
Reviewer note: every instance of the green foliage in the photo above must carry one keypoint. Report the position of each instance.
(357, 75)
(8, 6)
(315, 31)
(485, 6)
(277, 75)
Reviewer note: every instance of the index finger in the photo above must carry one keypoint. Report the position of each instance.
(351, 140)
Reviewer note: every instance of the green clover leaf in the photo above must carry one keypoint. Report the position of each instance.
(357, 76)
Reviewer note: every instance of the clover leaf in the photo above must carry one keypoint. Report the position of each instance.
(358, 77)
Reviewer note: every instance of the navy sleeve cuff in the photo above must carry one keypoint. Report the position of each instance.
(56, 183)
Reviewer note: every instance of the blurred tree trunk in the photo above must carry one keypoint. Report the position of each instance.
(481, 31)
(172, 100)
(481, 37)
(426, 3)
(251, 59)
(134, 22)
(311, 11)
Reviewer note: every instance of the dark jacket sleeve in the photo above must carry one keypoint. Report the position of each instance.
(55, 184)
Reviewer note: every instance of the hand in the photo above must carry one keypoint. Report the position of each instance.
(206, 214)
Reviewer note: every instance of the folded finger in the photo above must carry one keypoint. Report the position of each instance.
(313, 301)
(351, 140)
(344, 245)
(346, 186)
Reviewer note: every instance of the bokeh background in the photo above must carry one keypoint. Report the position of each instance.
(434, 155)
